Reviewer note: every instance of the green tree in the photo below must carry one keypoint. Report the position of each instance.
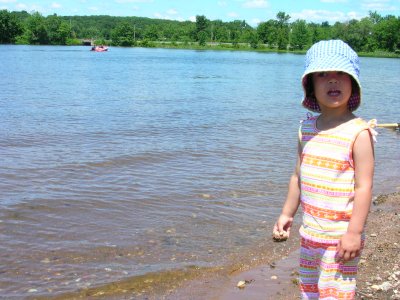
(300, 35)
(10, 27)
(64, 32)
(201, 23)
(91, 32)
(123, 35)
(52, 25)
(267, 32)
(202, 38)
(152, 33)
(282, 30)
(339, 31)
(36, 32)
(220, 31)
(324, 31)
(201, 29)
(58, 30)
(368, 34)
(353, 35)
(253, 39)
(387, 33)
(366, 26)
(375, 17)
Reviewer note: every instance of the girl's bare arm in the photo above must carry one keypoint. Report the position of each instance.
(292, 201)
(363, 156)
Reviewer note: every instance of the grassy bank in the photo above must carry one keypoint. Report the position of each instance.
(245, 47)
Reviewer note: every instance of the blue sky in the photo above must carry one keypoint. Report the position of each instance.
(253, 11)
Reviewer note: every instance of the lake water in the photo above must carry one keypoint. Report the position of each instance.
(137, 161)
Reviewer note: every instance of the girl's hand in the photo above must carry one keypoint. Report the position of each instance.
(349, 246)
(282, 228)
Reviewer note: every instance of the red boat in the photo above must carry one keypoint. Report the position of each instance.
(99, 48)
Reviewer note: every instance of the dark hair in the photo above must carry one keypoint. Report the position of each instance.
(309, 86)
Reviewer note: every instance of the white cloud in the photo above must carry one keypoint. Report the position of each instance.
(29, 8)
(192, 18)
(93, 8)
(324, 15)
(353, 15)
(255, 4)
(8, 1)
(55, 5)
(222, 3)
(233, 15)
(133, 1)
(255, 21)
(172, 12)
(22, 6)
(333, 1)
(378, 5)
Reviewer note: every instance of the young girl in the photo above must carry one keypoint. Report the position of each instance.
(333, 175)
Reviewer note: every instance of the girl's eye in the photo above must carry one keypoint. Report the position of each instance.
(322, 74)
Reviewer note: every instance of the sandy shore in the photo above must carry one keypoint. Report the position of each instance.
(379, 275)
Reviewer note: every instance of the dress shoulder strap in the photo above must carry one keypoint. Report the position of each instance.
(370, 125)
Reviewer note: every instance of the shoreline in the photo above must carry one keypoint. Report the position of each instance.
(378, 276)
(220, 47)
(270, 270)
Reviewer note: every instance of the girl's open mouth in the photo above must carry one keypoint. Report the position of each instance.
(334, 93)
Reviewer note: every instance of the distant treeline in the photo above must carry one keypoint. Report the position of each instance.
(370, 34)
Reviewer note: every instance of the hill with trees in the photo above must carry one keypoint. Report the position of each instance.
(374, 33)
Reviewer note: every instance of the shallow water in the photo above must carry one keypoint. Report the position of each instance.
(136, 161)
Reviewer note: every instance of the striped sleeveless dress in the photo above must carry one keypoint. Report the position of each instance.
(327, 190)
(327, 179)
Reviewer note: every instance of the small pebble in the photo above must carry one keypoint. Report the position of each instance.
(32, 290)
(274, 277)
(386, 286)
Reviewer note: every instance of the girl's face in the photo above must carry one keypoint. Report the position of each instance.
(332, 89)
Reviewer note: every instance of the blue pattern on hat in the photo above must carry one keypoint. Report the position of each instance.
(332, 55)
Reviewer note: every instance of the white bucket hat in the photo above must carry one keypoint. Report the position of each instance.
(332, 55)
